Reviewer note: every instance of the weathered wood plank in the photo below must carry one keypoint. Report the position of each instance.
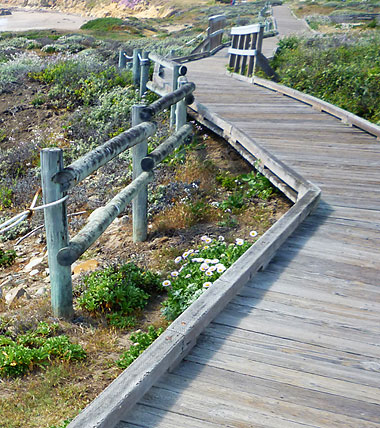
(299, 361)
(279, 391)
(250, 367)
(301, 331)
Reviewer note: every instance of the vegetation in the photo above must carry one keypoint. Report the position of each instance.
(34, 349)
(7, 257)
(141, 340)
(196, 271)
(118, 292)
(343, 70)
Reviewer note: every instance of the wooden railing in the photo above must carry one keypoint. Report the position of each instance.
(57, 180)
(245, 51)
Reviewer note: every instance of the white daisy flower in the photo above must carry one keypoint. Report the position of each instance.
(203, 267)
(166, 283)
(220, 268)
(207, 284)
(204, 238)
(253, 233)
(221, 238)
(239, 241)
(178, 259)
(174, 274)
(209, 272)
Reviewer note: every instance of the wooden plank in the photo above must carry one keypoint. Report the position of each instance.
(303, 293)
(279, 391)
(250, 367)
(277, 303)
(298, 361)
(291, 347)
(251, 407)
(288, 314)
(300, 331)
(207, 402)
(148, 417)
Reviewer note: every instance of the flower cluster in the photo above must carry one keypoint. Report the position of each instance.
(198, 269)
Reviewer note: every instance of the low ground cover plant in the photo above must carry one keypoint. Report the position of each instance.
(197, 269)
(141, 341)
(333, 68)
(118, 292)
(35, 349)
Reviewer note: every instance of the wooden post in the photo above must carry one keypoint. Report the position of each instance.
(136, 69)
(181, 109)
(56, 233)
(140, 202)
(174, 87)
(145, 63)
(122, 60)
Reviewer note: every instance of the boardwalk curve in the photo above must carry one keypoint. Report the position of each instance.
(298, 346)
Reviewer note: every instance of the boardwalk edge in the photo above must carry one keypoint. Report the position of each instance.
(179, 338)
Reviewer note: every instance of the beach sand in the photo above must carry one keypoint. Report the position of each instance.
(30, 19)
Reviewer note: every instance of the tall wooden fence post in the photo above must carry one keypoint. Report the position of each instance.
(174, 87)
(140, 202)
(144, 77)
(136, 69)
(181, 108)
(56, 233)
(122, 60)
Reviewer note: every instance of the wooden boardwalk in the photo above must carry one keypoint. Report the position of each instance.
(299, 346)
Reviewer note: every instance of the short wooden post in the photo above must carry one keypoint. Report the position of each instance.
(181, 108)
(144, 77)
(140, 202)
(136, 69)
(174, 87)
(56, 233)
(122, 60)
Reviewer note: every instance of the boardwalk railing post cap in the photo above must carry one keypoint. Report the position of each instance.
(146, 114)
(189, 99)
(182, 70)
(147, 163)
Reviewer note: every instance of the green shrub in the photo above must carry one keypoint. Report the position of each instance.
(102, 24)
(334, 69)
(141, 342)
(35, 349)
(7, 257)
(118, 289)
(197, 270)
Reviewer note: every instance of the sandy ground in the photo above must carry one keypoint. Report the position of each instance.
(24, 19)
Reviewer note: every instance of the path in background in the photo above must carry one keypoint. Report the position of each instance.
(23, 20)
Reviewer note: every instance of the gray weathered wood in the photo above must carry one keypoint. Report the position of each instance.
(144, 72)
(166, 148)
(80, 169)
(56, 233)
(103, 217)
(140, 202)
(181, 107)
(136, 68)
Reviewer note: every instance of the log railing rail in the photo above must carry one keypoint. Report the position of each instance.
(57, 180)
